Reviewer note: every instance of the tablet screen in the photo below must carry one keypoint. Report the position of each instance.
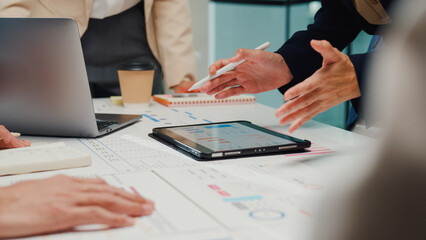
(228, 136)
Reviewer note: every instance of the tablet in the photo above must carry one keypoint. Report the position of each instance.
(228, 140)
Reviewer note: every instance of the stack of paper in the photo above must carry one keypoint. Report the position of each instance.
(42, 158)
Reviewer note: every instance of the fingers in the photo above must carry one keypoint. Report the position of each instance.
(97, 215)
(97, 188)
(241, 54)
(218, 65)
(96, 192)
(115, 204)
(4, 132)
(97, 180)
(298, 123)
(262, 71)
(307, 111)
(327, 87)
(214, 83)
(231, 83)
(298, 103)
(230, 92)
(59, 203)
(25, 143)
(309, 85)
(327, 51)
(10, 141)
(300, 110)
(184, 86)
(65, 179)
(85, 186)
(247, 54)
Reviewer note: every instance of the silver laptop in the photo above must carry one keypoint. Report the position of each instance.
(43, 81)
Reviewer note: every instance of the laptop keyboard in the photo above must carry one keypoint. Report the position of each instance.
(104, 123)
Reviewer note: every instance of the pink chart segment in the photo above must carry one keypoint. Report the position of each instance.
(313, 150)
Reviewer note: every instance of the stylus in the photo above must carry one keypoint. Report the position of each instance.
(14, 134)
(225, 69)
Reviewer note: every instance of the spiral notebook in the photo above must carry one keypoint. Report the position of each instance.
(201, 99)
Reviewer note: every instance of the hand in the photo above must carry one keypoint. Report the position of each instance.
(10, 141)
(62, 203)
(184, 86)
(335, 82)
(262, 71)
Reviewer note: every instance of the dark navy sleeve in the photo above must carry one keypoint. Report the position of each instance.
(335, 23)
(360, 62)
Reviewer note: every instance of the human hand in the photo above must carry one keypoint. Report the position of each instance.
(184, 86)
(61, 203)
(262, 71)
(10, 141)
(335, 82)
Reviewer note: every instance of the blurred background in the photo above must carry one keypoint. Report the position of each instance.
(222, 26)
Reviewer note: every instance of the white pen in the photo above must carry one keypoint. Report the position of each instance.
(225, 69)
(14, 134)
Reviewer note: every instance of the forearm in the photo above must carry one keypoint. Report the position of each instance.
(7, 199)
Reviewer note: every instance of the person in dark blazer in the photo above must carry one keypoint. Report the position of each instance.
(309, 68)
(383, 197)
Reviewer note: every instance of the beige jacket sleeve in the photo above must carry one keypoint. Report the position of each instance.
(15, 8)
(172, 26)
(77, 9)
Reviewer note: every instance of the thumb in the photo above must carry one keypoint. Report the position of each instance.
(327, 51)
(4, 133)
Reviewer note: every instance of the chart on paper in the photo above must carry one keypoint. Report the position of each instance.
(196, 200)
(251, 195)
(166, 221)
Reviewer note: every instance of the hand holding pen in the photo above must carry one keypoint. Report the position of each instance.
(255, 71)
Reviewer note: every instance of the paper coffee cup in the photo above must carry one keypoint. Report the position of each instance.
(136, 80)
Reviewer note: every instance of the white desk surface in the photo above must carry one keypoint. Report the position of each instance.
(271, 197)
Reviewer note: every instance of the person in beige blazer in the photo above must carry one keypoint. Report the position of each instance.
(166, 29)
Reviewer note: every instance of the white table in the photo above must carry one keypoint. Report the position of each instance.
(271, 197)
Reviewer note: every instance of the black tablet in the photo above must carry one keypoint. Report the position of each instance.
(228, 140)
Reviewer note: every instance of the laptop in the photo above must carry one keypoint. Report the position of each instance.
(44, 88)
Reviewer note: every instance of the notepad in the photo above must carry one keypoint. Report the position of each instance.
(200, 99)
(42, 158)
